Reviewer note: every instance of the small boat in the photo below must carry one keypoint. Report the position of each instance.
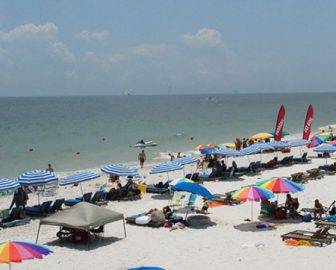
(142, 143)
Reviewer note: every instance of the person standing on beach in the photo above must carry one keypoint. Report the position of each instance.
(142, 158)
(50, 169)
(20, 198)
(171, 157)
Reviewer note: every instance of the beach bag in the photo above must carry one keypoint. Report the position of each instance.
(279, 214)
(295, 203)
(307, 218)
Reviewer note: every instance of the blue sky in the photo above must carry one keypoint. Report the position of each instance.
(111, 47)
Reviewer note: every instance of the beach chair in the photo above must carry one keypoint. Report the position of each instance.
(156, 190)
(324, 223)
(302, 159)
(39, 210)
(85, 198)
(321, 236)
(176, 199)
(56, 206)
(14, 218)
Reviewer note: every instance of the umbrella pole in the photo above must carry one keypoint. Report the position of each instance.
(251, 211)
(80, 184)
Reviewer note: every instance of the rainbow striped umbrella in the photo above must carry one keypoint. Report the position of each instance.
(252, 194)
(20, 251)
(280, 185)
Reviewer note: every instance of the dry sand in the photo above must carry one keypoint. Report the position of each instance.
(226, 242)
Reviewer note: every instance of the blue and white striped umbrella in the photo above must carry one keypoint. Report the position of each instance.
(37, 178)
(299, 142)
(325, 148)
(167, 167)
(252, 149)
(119, 170)
(227, 152)
(186, 160)
(263, 146)
(6, 184)
(279, 144)
(78, 177)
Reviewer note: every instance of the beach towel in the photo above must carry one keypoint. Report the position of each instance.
(142, 220)
(142, 188)
(216, 204)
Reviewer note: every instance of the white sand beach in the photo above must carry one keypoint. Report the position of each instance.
(227, 242)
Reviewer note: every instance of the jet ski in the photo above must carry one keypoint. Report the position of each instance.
(142, 143)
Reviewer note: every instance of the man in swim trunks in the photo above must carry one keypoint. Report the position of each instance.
(142, 158)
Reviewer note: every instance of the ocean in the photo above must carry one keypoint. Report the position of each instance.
(78, 133)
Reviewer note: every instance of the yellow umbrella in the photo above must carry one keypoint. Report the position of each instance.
(262, 136)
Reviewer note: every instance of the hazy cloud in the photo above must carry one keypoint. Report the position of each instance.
(93, 36)
(30, 32)
(149, 50)
(60, 50)
(3, 52)
(204, 37)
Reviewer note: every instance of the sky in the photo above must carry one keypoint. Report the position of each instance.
(111, 47)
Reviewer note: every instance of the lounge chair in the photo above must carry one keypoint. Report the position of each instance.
(156, 189)
(14, 218)
(286, 161)
(56, 206)
(98, 197)
(39, 210)
(321, 236)
(302, 159)
(85, 198)
(324, 223)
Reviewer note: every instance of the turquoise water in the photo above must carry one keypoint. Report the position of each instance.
(56, 128)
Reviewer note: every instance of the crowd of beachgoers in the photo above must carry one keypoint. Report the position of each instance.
(205, 227)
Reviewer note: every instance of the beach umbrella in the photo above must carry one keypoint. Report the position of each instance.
(332, 143)
(252, 194)
(119, 170)
(252, 149)
(227, 152)
(37, 178)
(262, 136)
(167, 167)
(186, 160)
(78, 178)
(298, 142)
(283, 134)
(279, 144)
(280, 185)
(315, 141)
(263, 146)
(19, 251)
(325, 148)
(194, 189)
(146, 268)
(7, 184)
(180, 180)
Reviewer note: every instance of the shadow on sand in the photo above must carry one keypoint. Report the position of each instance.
(252, 227)
(96, 242)
(200, 222)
